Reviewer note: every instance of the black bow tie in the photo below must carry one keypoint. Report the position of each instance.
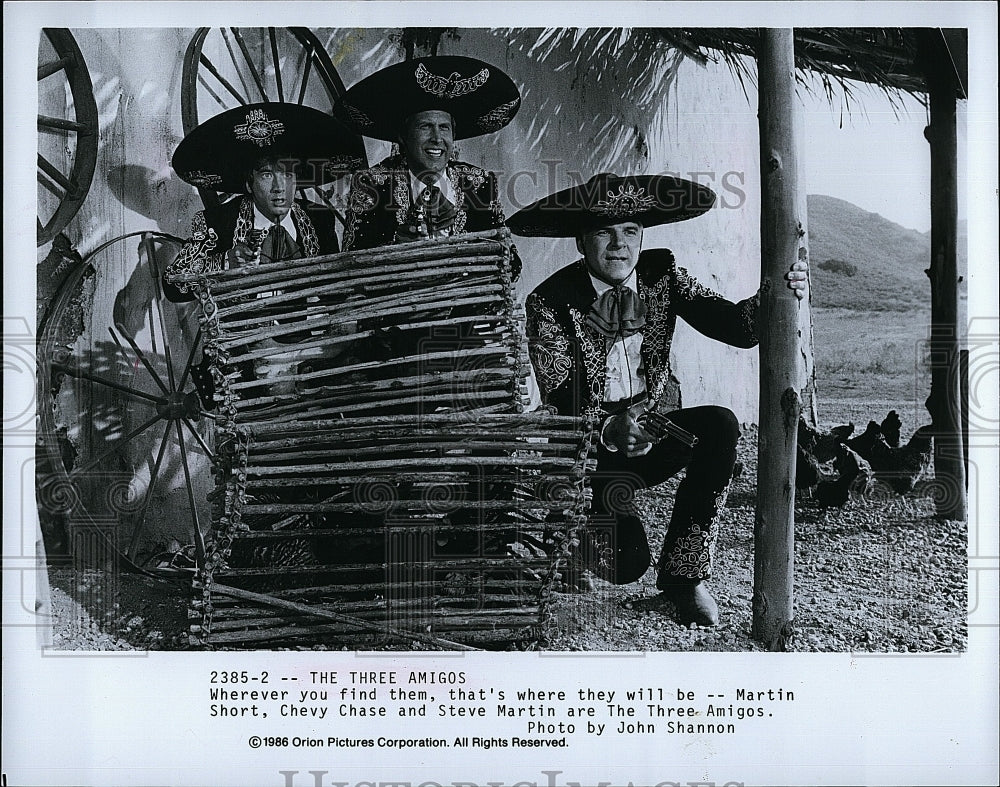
(278, 245)
(617, 313)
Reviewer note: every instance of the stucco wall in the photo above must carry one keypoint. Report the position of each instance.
(577, 121)
(574, 122)
(136, 81)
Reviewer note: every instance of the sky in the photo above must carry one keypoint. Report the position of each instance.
(869, 137)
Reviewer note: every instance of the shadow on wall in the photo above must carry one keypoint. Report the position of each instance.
(110, 428)
(154, 195)
(593, 100)
(116, 481)
(137, 304)
(138, 102)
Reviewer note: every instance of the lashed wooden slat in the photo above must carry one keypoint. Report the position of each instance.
(397, 505)
(455, 564)
(319, 612)
(484, 584)
(343, 635)
(298, 465)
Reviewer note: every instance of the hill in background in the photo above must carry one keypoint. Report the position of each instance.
(871, 300)
(864, 262)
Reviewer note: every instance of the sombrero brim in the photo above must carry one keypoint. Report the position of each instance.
(217, 154)
(649, 200)
(479, 96)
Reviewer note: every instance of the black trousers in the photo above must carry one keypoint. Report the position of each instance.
(617, 547)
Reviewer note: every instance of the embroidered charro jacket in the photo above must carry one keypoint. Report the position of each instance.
(217, 229)
(380, 202)
(570, 358)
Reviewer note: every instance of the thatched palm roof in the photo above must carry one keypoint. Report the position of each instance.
(893, 59)
(889, 58)
(644, 63)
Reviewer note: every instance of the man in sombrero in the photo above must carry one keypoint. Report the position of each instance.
(425, 105)
(260, 154)
(599, 333)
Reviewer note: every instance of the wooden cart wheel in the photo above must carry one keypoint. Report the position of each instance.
(228, 67)
(122, 429)
(67, 132)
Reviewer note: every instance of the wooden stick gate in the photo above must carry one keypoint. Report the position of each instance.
(376, 464)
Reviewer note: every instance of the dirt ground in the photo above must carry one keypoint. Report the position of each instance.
(880, 575)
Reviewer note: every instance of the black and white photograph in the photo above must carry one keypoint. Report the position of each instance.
(596, 382)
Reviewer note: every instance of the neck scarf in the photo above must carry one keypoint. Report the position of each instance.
(619, 312)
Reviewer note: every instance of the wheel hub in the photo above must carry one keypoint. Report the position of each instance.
(178, 405)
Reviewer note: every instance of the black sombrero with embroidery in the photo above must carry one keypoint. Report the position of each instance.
(218, 153)
(479, 96)
(610, 199)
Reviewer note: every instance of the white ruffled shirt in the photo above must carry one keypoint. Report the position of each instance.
(625, 376)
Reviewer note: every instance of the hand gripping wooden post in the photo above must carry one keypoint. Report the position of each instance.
(782, 243)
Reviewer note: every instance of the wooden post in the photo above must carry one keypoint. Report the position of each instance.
(782, 242)
(944, 402)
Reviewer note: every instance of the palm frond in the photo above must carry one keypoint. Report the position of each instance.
(883, 57)
(634, 60)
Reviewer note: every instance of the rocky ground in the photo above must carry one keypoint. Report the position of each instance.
(98, 610)
(880, 575)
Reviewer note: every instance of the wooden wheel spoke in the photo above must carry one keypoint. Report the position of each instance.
(141, 356)
(63, 124)
(114, 447)
(121, 349)
(75, 371)
(65, 61)
(189, 364)
(52, 67)
(277, 64)
(205, 61)
(201, 441)
(199, 544)
(53, 172)
(52, 188)
(140, 518)
(236, 65)
(208, 88)
(147, 244)
(249, 60)
(306, 70)
(296, 69)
